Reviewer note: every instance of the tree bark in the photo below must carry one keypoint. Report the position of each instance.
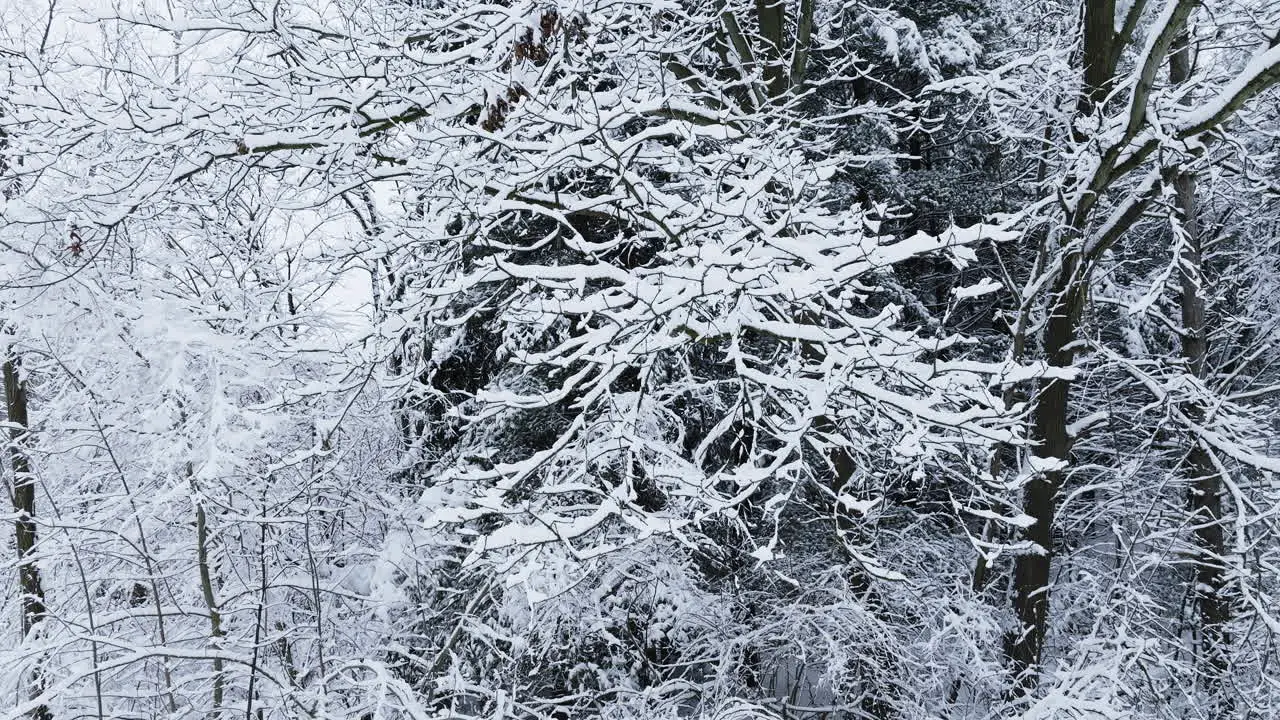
(210, 601)
(1096, 57)
(1032, 571)
(1204, 495)
(772, 18)
(24, 507)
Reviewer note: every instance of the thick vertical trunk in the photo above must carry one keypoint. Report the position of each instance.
(1204, 496)
(1096, 57)
(772, 18)
(24, 507)
(1031, 571)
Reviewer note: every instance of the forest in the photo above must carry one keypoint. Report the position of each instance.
(640, 359)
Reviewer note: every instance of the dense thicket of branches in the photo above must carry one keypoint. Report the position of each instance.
(815, 359)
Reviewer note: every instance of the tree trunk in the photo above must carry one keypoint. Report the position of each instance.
(1204, 496)
(24, 507)
(1097, 57)
(211, 602)
(1031, 571)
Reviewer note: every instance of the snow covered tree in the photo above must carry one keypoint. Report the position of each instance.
(640, 358)
(1126, 137)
